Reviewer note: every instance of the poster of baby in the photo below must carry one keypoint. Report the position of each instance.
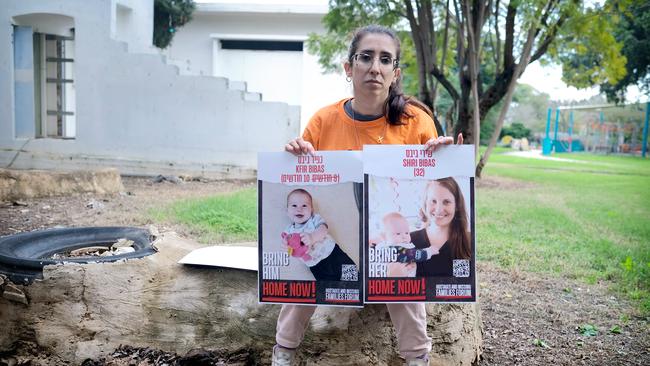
(420, 224)
(310, 228)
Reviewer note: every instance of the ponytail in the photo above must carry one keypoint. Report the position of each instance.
(397, 102)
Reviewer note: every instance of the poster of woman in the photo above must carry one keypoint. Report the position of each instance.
(419, 224)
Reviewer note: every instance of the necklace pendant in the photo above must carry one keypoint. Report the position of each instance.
(380, 139)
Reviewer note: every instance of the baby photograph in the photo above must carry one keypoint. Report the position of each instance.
(310, 232)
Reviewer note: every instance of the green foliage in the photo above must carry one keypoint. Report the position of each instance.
(516, 130)
(409, 65)
(330, 50)
(347, 15)
(596, 55)
(615, 329)
(588, 330)
(540, 343)
(625, 318)
(595, 47)
(633, 32)
(628, 265)
(343, 18)
(487, 128)
(168, 16)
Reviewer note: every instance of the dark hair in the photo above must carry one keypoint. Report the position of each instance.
(458, 236)
(301, 191)
(396, 102)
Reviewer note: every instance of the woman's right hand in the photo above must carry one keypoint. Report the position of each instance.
(435, 143)
(299, 146)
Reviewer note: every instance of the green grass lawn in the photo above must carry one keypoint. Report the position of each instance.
(587, 220)
(217, 219)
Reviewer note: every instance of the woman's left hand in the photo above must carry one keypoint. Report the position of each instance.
(401, 269)
(434, 143)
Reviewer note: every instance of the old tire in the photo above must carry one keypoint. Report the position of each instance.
(22, 256)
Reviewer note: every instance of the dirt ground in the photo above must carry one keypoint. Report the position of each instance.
(528, 318)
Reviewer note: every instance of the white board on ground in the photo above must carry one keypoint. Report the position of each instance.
(223, 256)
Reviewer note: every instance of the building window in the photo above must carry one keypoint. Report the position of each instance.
(56, 65)
(45, 100)
(261, 45)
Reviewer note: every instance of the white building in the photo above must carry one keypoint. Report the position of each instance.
(262, 44)
(82, 87)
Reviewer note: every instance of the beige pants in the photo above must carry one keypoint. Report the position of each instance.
(409, 320)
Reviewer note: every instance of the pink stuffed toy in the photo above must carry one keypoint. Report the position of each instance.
(296, 247)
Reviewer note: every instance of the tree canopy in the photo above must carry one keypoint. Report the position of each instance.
(473, 51)
(633, 33)
(168, 16)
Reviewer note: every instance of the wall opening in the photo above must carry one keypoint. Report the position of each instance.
(249, 57)
(124, 23)
(255, 45)
(44, 56)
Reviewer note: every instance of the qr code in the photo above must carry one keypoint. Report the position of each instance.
(349, 272)
(461, 268)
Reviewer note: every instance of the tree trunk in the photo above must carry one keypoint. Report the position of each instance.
(87, 311)
(519, 69)
(421, 53)
(463, 123)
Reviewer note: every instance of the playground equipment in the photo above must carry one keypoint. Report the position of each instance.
(617, 131)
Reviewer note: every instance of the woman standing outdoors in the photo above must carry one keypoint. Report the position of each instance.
(378, 113)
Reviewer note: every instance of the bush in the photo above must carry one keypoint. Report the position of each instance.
(516, 130)
(168, 16)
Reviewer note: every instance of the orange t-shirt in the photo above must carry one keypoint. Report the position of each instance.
(332, 129)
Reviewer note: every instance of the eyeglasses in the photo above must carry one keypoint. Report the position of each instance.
(385, 62)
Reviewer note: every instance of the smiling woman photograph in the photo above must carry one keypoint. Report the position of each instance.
(437, 213)
(378, 113)
(444, 215)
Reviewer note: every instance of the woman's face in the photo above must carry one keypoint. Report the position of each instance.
(440, 205)
(372, 69)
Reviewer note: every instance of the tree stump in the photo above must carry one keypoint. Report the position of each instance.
(87, 311)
